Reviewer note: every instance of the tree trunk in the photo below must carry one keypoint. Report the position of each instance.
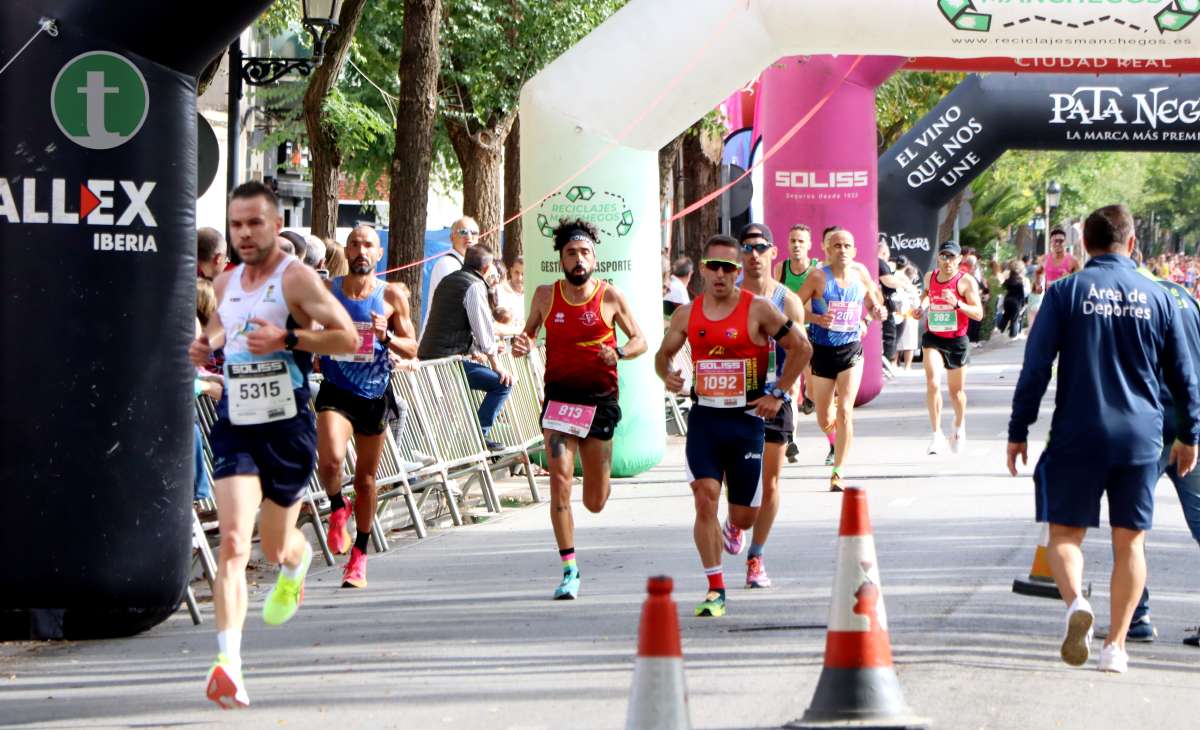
(667, 156)
(416, 112)
(702, 163)
(324, 156)
(513, 246)
(481, 157)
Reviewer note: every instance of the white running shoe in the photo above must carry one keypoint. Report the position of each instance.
(958, 441)
(1077, 638)
(1113, 659)
(937, 444)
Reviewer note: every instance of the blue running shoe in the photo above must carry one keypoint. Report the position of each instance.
(568, 589)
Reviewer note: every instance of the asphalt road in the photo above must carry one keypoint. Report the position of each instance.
(458, 630)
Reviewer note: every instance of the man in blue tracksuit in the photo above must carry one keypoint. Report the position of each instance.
(1187, 487)
(1116, 336)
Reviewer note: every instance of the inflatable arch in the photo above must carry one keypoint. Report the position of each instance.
(594, 120)
(987, 115)
(98, 266)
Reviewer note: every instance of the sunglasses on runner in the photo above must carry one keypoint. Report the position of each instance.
(758, 248)
(466, 232)
(947, 256)
(721, 265)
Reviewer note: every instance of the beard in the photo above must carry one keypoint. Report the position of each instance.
(361, 265)
(578, 276)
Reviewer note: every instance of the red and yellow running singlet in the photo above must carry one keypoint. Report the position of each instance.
(574, 334)
(729, 368)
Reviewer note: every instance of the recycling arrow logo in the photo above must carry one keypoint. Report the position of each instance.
(962, 15)
(1177, 16)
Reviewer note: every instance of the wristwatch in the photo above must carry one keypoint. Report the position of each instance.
(780, 393)
(620, 352)
(290, 340)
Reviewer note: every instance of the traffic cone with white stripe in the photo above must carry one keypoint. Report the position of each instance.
(658, 699)
(858, 687)
(1040, 582)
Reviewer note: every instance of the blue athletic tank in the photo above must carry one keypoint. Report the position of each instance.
(845, 303)
(364, 379)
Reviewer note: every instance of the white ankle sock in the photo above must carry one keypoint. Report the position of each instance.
(294, 573)
(229, 643)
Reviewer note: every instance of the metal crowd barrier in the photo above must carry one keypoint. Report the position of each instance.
(441, 432)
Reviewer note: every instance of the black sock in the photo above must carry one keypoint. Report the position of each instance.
(361, 539)
(566, 551)
(336, 502)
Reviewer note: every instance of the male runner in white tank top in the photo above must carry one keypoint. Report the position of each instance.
(264, 440)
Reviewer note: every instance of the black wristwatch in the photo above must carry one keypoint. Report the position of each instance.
(620, 352)
(290, 340)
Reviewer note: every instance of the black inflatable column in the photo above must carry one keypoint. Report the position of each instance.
(97, 274)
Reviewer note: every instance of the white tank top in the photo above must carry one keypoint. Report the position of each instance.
(267, 303)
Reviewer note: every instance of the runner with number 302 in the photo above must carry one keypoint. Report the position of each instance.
(581, 412)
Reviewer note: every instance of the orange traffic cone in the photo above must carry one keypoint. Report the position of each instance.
(1041, 582)
(858, 687)
(658, 699)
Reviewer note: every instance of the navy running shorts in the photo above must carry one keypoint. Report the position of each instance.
(726, 444)
(1068, 491)
(281, 453)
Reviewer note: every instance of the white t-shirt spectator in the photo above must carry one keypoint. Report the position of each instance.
(677, 292)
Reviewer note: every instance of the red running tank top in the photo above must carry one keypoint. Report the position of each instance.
(574, 334)
(728, 339)
(937, 300)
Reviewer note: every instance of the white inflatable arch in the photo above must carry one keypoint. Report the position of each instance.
(657, 66)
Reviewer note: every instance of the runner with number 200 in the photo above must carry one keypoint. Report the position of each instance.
(581, 412)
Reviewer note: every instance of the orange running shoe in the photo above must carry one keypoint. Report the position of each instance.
(224, 685)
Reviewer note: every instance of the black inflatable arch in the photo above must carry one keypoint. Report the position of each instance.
(97, 272)
(987, 115)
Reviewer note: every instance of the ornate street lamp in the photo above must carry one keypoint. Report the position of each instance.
(1053, 193)
(320, 20)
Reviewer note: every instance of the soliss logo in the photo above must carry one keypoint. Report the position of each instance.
(821, 180)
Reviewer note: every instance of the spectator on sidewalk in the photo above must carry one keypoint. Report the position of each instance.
(677, 285)
(463, 233)
(211, 253)
(460, 323)
(335, 259)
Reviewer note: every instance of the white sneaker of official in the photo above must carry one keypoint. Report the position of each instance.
(937, 444)
(1077, 636)
(1113, 659)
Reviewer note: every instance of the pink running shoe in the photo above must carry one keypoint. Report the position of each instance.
(734, 537)
(339, 535)
(756, 574)
(355, 574)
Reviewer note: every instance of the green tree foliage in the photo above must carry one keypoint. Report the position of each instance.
(906, 97)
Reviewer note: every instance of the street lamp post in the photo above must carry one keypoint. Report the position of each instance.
(1053, 193)
(320, 20)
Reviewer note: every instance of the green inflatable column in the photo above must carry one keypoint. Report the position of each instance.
(619, 195)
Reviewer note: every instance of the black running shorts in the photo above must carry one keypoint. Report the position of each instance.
(604, 424)
(830, 360)
(955, 351)
(780, 428)
(367, 416)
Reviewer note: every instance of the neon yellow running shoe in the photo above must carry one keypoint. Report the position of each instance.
(224, 684)
(287, 595)
(712, 605)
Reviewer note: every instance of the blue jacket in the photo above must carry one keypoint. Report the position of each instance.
(1117, 337)
(1189, 313)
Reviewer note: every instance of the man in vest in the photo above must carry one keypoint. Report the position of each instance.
(463, 233)
(460, 322)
